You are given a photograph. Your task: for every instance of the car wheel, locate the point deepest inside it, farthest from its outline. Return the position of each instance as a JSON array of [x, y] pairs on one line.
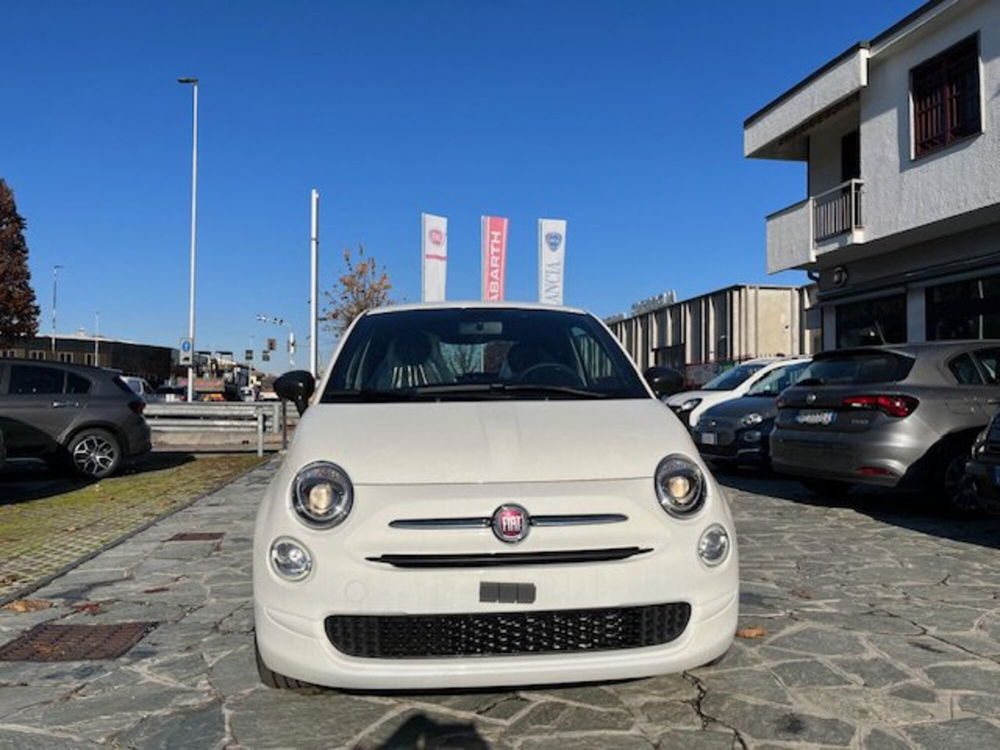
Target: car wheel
[[954, 485], [94, 453], [829, 487], [274, 680]]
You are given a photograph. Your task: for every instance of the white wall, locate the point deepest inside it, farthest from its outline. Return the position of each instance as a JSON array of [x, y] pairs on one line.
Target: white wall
[[901, 193]]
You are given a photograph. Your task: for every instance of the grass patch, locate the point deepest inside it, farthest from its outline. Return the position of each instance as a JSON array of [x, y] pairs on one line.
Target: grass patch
[[47, 522]]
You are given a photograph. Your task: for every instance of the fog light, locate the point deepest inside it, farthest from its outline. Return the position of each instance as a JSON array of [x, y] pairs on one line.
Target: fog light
[[290, 559], [751, 436], [713, 547]]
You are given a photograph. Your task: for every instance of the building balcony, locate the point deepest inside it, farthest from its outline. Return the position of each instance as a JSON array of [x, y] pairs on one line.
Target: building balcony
[[797, 235]]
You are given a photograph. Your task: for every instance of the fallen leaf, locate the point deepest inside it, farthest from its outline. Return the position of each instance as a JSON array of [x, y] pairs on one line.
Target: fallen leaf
[[91, 608], [70, 528], [27, 605], [755, 631]]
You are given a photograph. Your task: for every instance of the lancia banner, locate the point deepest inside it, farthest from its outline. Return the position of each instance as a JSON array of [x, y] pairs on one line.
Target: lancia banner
[[551, 260], [494, 239], [434, 254]]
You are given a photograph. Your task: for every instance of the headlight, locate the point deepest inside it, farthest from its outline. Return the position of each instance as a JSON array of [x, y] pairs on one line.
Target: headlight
[[680, 486], [751, 436], [322, 495], [690, 404], [290, 559], [713, 547], [748, 420]]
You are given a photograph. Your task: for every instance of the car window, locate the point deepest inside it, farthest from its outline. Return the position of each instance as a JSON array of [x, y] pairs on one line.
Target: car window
[[480, 353], [778, 379], [77, 384], [849, 368], [32, 379], [965, 371], [731, 379], [990, 361]]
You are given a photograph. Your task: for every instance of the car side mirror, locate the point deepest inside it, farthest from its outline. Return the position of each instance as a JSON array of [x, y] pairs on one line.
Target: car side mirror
[[296, 386], [664, 381]]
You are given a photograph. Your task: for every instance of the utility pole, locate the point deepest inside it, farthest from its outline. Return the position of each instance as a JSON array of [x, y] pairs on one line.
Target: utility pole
[[97, 337], [194, 223], [55, 288], [314, 286]]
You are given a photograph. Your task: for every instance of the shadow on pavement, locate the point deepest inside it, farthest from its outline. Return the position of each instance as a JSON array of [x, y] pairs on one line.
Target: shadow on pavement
[[909, 510], [422, 731], [23, 480]]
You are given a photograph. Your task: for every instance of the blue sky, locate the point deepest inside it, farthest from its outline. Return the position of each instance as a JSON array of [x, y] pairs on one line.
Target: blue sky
[[623, 117]]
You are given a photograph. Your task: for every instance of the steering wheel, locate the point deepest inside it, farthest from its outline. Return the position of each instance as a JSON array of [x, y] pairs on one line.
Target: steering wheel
[[559, 374]]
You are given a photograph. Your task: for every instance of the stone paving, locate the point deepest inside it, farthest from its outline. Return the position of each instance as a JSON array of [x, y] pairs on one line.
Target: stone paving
[[878, 627]]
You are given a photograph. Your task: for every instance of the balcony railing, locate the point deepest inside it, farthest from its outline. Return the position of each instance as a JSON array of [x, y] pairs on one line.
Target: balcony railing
[[837, 211]]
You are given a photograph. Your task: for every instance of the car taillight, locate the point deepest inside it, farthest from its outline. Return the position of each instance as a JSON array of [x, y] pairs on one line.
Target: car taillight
[[893, 406], [137, 406]]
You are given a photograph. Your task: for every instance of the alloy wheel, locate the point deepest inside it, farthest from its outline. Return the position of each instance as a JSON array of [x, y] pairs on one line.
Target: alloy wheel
[[956, 486], [95, 455]]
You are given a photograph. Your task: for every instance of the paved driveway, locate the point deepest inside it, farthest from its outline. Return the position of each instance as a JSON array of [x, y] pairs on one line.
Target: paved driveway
[[878, 627]]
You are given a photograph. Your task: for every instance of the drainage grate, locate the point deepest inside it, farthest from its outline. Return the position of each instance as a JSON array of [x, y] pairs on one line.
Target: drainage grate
[[52, 642], [196, 536]]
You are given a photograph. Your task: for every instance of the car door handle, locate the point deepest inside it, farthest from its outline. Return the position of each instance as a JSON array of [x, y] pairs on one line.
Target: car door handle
[[64, 404]]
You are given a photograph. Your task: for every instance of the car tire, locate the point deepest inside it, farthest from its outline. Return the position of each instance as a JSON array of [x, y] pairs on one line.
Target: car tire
[[94, 453], [953, 485], [826, 487], [274, 680]]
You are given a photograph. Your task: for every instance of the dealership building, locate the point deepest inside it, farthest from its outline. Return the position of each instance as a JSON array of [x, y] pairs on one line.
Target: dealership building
[[900, 136], [705, 334]]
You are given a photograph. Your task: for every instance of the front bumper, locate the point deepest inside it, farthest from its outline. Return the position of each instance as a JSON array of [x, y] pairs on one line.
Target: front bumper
[[291, 617]]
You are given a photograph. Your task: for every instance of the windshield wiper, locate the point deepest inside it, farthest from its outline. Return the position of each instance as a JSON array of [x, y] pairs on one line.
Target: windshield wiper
[[503, 388]]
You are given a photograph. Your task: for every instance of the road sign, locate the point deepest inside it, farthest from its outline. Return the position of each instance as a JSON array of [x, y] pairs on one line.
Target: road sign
[[248, 355], [272, 344], [187, 351]]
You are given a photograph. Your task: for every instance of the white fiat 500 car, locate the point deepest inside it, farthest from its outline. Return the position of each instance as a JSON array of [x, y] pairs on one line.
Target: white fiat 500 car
[[484, 495]]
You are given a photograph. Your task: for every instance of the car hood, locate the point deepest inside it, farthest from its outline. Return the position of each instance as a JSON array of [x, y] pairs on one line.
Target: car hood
[[766, 406], [495, 441]]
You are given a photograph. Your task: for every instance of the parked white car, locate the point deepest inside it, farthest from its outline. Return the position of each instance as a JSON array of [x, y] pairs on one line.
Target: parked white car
[[139, 386], [729, 384], [484, 495]]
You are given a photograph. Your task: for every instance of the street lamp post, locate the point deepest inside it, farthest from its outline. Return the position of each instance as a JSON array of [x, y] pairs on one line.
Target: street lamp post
[[194, 222], [55, 288]]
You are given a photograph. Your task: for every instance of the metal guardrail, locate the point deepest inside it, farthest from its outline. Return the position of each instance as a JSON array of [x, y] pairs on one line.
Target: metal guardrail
[[258, 416]]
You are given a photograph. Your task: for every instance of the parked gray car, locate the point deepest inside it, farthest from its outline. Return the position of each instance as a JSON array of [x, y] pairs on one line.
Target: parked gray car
[[82, 418], [896, 416]]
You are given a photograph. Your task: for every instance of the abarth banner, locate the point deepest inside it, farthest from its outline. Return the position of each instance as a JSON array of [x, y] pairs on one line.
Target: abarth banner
[[434, 254], [494, 241], [551, 260]]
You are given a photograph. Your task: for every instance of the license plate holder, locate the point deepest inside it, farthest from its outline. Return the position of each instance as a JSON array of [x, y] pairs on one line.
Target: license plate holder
[[709, 438]]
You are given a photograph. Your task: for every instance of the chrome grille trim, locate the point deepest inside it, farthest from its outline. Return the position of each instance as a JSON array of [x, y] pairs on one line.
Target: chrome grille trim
[[576, 519]]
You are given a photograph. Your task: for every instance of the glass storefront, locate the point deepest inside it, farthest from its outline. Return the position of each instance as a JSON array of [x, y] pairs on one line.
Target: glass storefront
[[964, 309], [872, 321]]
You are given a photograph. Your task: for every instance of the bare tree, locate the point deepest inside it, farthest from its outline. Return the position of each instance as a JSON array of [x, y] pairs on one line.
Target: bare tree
[[362, 286]]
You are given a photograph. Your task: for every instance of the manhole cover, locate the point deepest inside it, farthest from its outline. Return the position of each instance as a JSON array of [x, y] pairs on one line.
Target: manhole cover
[[196, 536], [52, 642]]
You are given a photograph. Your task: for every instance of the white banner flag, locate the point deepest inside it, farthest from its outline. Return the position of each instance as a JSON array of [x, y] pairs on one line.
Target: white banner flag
[[434, 252], [551, 260]]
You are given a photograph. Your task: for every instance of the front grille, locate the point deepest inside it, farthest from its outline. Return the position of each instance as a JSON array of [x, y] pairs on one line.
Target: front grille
[[506, 633], [492, 559]]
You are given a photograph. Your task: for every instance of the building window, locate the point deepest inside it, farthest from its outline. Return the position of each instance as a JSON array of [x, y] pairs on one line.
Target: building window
[[37, 354], [88, 358], [66, 357], [945, 96], [872, 322], [964, 309]]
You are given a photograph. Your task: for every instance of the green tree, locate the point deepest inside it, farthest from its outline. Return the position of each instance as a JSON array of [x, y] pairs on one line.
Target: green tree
[[362, 286], [18, 311]]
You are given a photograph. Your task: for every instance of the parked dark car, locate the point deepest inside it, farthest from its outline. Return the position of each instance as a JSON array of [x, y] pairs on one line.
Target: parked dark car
[[737, 432], [73, 416], [984, 469], [895, 416]]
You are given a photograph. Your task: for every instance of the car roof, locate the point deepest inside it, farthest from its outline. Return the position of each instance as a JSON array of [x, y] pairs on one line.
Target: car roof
[[942, 348], [472, 305], [82, 369]]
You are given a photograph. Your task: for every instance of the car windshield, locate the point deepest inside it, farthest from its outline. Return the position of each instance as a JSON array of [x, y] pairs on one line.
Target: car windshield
[[730, 379], [480, 354], [850, 368], [778, 379]]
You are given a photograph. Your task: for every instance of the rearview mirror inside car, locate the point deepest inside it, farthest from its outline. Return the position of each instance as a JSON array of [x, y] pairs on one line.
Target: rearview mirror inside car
[[664, 381], [296, 386]]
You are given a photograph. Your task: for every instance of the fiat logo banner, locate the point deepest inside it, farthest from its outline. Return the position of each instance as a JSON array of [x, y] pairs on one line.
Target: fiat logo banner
[[511, 523]]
